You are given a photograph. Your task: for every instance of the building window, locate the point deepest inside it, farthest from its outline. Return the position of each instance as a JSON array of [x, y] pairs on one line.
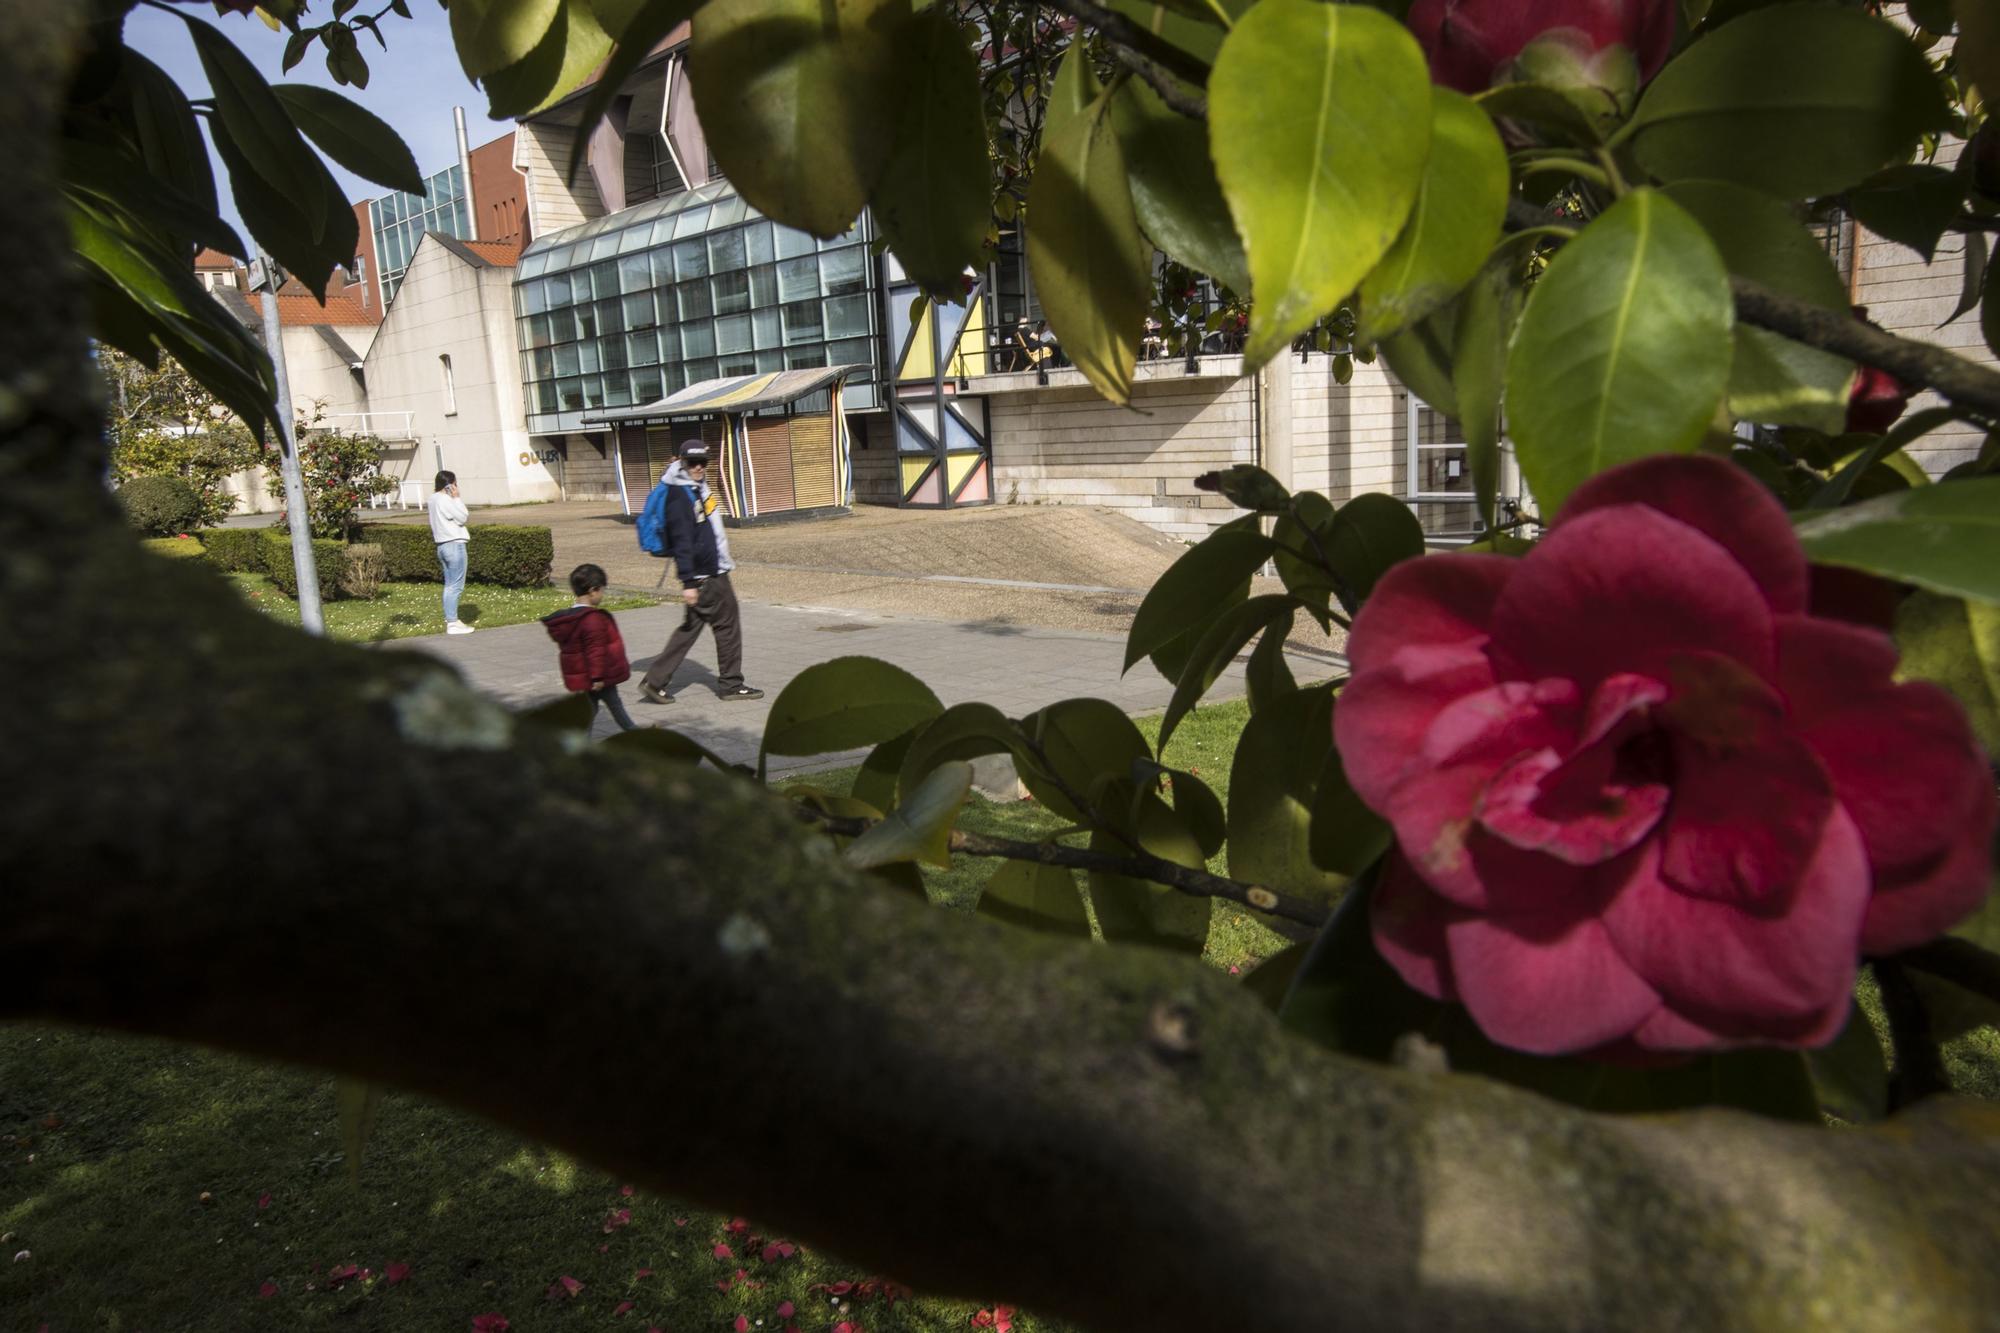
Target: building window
[[450, 389]]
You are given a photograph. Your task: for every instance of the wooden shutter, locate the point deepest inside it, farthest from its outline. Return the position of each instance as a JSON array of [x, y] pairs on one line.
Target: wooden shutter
[[771, 463], [813, 483]]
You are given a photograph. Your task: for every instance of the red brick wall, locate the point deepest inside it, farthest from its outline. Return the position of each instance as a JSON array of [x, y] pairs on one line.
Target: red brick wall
[[499, 194]]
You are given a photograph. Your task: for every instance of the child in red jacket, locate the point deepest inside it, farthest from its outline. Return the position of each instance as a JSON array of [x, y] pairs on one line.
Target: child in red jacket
[[593, 651]]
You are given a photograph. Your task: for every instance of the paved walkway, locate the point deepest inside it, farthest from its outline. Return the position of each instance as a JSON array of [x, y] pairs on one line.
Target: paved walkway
[[1017, 668]]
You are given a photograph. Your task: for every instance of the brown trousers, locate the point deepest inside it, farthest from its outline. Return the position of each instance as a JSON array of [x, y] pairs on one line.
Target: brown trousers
[[715, 606]]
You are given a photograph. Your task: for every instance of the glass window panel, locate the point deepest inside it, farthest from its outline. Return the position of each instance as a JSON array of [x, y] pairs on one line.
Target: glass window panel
[[852, 236], [690, 260], [634, 238], [732, 333], [773, 359], [697, 371], [672, 380], [604, 246], [562, 258], [646, 385], [798, 279], [741, 364], [635, 273], [566, 360], [844, 271], [799, 357], [613, 352], [663, 266], [603, 281], [545, 396], [618, 390], [726, 213], [698, 339], [802, 322], [538, 331], [586, 322], [534, 298], [732, 292], [586, 355], [763, 286], [766, 332], [570, 395], [532, 265], [545, 362], [852, 352], [691, 222], [859, 397], [558, 290], [670, 345], [695, 301], [726, 251], [593, 391], [642, 349], [639, 311], [757, 243], [846, 316], [611, 316], [792, 243]]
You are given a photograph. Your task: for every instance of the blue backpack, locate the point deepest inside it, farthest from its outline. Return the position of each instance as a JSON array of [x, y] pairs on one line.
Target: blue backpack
[[652, 525]]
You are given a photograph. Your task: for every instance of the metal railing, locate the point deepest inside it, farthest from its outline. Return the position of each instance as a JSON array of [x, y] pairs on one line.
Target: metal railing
[[382, 425]]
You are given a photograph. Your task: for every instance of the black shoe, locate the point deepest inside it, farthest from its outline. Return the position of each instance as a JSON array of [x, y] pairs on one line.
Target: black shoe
[[654, 695], [740, 692]]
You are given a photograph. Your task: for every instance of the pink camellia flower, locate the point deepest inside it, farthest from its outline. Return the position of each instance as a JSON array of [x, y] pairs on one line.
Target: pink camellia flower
[[1474, 44], [1642, 798]]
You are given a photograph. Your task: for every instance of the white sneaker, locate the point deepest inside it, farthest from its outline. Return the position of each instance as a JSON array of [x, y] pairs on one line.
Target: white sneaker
[[457, 627]]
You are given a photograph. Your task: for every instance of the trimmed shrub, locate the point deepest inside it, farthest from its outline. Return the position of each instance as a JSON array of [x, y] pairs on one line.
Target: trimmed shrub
[[235, 550], [174, 548], [361, 570], [408, 553], [513, 557], [160, 506], [328, 559]]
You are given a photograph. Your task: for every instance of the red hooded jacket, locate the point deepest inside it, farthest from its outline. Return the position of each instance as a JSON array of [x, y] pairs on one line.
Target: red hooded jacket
[[592, 648]]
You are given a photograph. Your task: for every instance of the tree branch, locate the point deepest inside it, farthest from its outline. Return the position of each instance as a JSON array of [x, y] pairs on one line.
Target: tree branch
[[1301, 916], [1164, 66]]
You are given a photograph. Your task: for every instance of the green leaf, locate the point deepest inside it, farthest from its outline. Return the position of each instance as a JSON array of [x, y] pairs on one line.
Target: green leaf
[[934, 199], [1543, 106], [1945, 538], [1839, 486], [1268, 678], [1175, 194], [919, 828], [1956, 644], [1972, 285], [668, 744], [1077, 746], [1185, 598], [1199, 811], [638, 27], [1771, 378], [1091, 267], [1319, 123], [124, 184], [1035, 897], [1623, 349], [358, 1105], [1421, 356], [846, 703], [1347, 837], [267, 144], [1192, 28], [1487, 314], [1227, 637], [1978, 47], [1989, 308], [1247, 486], [1272, 789], [1452, 226], [169, 138], [800, 100], [493, 34], [357, 139], [1271, 979], [1371, 534], [572, 49], [1914, 203], [1796, 100], [1851, 1075], [1137, 911], [1307, 529], [308, 248], [876, 783], [963, 731]]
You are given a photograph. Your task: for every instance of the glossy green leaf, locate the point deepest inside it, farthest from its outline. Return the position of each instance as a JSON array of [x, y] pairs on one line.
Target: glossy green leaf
[[1272, 788], [1945, 538], [1771, 378], [1487, 314], [1452, 226], [1072, 749], [1192, 28], [1838, 487], [1623, 349], [1851, 1075], [169, 138], [1187, 595], [800, 100], [919, 828], [356, 138], [1914, 203], [963, 731], [1972, 284], [267, 143], [493, 34], [1247, 486], [934, 199], [307, 248], [846, 703], [1955, 643], [637, 26], [358, 1105], [1978, 46], [1035, 897], [123, 184], [1796, 100], [574, 47], [1306, 530], [1219, 646], [1319, 124], [1136, 911], [1371, 534], [1550, 109], [1175, 194], [1268, 677], [877, 781], [1421, 357], [1199, 810], [1090, 265], [1347, 837], [1271, 979]]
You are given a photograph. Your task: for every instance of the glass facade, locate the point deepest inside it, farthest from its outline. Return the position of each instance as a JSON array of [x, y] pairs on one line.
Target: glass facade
[[400, 221], [628, 308]]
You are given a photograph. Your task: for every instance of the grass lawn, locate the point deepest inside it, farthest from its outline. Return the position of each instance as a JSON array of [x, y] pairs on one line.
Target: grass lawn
[[402, 610]]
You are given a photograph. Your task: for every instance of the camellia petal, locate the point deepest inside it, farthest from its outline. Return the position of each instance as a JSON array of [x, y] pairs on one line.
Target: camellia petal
[[1438, 601], [1745, 824], [1408, 922], [1548, 985]]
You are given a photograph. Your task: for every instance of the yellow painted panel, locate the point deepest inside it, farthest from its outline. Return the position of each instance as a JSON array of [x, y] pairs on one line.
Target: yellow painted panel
[[958, 467], [972, 343], [913, 467], [917, 365]]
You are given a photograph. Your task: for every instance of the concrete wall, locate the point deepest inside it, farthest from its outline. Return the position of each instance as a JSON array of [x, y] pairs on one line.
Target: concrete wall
[[541, 154], [874, 453], [1347, 439], [587, 466], [447, 307]]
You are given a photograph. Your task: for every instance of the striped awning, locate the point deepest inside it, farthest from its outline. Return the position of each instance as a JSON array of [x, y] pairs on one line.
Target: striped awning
[[732, 393]]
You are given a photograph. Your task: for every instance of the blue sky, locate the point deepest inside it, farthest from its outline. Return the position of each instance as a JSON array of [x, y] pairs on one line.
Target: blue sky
[[413, 85]]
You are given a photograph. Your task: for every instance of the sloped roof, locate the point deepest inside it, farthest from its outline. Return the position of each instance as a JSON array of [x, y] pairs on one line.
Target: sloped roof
[[214, 259], [734, 393], [342, 307], [480, 254]]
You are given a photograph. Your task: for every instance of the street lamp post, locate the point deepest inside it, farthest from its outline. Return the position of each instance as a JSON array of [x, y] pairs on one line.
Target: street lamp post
[[303, 565]]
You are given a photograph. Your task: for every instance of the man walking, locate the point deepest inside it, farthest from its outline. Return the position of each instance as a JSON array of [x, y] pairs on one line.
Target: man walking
[[701, 554]]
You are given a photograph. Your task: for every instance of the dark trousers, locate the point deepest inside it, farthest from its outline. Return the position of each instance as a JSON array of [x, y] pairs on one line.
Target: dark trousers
[[715, 607], [608, 697]]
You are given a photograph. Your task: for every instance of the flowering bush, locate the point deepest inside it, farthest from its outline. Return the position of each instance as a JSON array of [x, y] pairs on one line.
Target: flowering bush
[[338, 471], [1639, 794]]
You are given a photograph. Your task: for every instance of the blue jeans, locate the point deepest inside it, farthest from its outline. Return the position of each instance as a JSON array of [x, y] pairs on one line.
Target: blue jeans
[[451, 557]]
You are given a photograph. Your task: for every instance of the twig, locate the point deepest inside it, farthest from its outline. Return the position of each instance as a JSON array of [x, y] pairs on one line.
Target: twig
[[1920, 1069], [1161, 64], [1294, 911]]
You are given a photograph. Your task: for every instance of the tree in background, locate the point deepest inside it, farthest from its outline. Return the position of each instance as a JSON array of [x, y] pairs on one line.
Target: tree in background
[[339, 472], [162, 421]]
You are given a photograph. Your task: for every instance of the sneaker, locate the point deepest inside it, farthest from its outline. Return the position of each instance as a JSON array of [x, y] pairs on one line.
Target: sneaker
[[653, 695], [457, 627], [740, 692]]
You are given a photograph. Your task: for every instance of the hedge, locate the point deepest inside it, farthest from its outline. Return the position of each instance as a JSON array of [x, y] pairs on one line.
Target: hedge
[[174, 548], [511, 555], [328, 559], [235, 550], [160, 506]]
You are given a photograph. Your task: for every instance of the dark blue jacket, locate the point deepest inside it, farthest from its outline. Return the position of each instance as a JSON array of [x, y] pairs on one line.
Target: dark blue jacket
[[690, 536]]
